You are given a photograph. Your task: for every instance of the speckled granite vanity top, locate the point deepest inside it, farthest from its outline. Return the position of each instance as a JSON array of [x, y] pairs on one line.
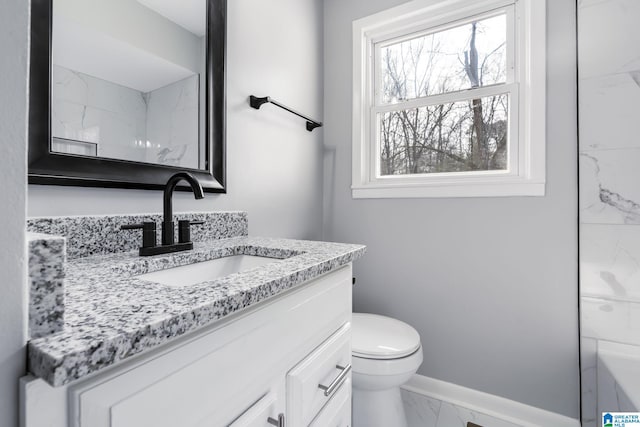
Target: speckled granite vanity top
[[111, 315]]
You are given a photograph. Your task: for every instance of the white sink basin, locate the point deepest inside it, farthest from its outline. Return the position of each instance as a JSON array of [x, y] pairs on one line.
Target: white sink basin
[[206, 270]]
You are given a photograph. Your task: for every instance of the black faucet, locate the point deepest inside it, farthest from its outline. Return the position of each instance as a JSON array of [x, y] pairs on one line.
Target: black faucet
[[149, 238], [167, 206]]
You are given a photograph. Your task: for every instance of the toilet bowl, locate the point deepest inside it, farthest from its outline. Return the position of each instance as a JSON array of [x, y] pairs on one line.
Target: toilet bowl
[[385, 354]]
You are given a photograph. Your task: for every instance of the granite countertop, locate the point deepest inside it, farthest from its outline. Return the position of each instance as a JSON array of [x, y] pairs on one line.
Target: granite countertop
[[110, 315]]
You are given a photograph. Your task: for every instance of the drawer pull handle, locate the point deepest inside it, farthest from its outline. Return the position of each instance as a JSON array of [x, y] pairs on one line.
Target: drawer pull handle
[[328, 390], [278, 423]]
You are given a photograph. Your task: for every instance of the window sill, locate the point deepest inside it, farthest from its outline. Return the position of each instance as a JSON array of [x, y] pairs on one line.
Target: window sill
[[441, 190]]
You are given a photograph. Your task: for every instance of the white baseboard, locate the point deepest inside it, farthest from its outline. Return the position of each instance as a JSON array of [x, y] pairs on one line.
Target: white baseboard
[[488, 404]]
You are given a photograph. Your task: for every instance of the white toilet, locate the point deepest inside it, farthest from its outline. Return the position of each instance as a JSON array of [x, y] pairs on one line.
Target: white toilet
[[386, 353]]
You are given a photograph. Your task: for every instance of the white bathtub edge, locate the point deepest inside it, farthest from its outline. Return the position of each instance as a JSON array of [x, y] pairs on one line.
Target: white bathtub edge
[[618, 372]]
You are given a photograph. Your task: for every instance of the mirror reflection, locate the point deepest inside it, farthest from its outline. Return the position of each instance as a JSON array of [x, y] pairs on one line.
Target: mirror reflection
[[128, 80]]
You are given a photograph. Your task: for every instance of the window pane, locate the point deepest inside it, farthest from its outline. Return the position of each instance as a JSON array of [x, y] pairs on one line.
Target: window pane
[[456, 137], [468, 56]]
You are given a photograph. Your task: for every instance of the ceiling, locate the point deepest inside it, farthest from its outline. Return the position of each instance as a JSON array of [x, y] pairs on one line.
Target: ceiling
[[189, 14]]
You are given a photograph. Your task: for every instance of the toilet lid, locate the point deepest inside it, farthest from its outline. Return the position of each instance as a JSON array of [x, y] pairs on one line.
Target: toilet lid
[[380, 337]]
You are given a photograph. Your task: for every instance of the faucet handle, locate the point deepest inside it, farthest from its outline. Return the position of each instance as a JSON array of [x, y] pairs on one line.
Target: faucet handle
[[148, 232], [184, 230]]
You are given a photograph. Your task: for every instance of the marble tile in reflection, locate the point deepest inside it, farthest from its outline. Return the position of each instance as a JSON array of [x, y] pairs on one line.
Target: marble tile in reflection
[[161, 126], [70, 86], [85, 108], [172, 123]]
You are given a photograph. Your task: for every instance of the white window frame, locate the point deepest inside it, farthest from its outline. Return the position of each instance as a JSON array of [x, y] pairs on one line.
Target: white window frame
[[525, 85]]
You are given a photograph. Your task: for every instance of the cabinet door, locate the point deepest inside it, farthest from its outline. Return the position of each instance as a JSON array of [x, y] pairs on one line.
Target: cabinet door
[[269, 407], [337, 413], [257, 414], [315, 380]]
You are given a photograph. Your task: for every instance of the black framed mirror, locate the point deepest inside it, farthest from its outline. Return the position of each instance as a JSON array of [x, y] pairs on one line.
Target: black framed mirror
[[131, 120]]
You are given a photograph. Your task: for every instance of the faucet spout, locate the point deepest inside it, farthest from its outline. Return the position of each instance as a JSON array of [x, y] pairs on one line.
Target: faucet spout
[[167, 223]]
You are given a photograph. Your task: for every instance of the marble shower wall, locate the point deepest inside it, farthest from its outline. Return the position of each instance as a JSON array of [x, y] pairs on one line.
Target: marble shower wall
[[160, 126], [609, 102]]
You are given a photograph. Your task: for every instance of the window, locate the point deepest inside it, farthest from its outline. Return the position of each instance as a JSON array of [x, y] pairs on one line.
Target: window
[[449, 100]]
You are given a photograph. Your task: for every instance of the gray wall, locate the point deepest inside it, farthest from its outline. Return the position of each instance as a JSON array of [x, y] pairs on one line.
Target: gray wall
[[13, 69], [274, 166], [489, 283]]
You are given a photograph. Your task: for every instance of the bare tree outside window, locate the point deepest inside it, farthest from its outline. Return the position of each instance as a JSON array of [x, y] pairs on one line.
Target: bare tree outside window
[[461, 136]]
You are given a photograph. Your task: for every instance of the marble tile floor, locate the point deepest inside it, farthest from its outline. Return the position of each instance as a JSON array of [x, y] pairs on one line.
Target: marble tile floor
[[424, 411]]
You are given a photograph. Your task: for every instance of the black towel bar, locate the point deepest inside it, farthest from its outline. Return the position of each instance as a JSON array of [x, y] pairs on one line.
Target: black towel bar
[[256, 103]]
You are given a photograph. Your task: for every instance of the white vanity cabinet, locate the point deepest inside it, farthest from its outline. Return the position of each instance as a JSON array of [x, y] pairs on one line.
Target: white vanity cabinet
[[284, 362]]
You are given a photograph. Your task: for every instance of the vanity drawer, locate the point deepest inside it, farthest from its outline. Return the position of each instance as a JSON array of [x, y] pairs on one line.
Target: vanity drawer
[[258, 415], [337, 413], [319, 377]]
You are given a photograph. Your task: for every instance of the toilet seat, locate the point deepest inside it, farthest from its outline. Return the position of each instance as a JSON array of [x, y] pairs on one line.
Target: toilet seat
[[387, 367], [382, 338]]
